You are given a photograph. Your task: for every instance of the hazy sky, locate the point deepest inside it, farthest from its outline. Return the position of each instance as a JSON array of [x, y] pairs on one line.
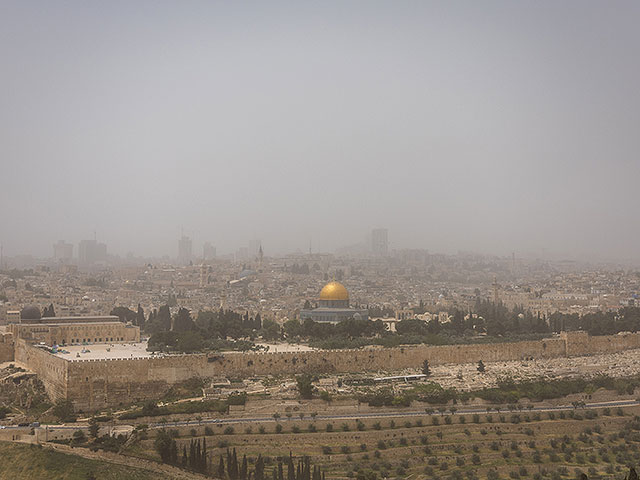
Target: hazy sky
[[485, 126]]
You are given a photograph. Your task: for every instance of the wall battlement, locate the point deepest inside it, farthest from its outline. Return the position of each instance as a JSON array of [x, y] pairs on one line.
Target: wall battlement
[[97, 383]]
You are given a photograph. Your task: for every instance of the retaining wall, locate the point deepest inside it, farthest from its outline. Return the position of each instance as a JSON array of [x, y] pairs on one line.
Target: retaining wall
[[93, 384]]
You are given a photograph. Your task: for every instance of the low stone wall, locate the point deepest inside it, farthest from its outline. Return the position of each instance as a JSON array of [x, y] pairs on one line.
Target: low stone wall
[[94, 384]]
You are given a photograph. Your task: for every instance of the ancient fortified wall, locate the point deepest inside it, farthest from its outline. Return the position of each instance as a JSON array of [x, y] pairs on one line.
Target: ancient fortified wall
[[93, 384]]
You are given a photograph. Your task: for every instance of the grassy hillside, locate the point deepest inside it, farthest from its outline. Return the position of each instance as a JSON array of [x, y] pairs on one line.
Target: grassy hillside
[[20, 461]]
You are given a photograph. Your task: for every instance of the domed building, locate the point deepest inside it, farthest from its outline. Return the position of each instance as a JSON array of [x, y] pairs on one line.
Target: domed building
[[333, 306], [30, 314]]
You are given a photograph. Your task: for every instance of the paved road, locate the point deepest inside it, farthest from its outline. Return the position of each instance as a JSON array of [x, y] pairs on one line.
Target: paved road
[[400, 414]]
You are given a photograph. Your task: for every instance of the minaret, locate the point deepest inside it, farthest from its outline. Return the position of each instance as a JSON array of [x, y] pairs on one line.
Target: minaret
[[260, 257], [496, 298], [223, 299]]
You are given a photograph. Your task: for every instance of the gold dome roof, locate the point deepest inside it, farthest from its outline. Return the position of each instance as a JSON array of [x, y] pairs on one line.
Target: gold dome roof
[[334, 291]]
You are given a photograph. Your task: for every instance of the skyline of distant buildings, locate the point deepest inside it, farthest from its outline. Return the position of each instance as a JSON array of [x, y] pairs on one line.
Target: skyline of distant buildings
[[91, 252], [379, 241]]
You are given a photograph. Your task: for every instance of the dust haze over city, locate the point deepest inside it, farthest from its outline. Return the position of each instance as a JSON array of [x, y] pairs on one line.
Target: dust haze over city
[[319, 240], [487, 127]]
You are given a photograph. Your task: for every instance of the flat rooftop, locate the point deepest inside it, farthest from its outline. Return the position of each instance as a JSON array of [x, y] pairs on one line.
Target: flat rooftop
[[85, 319], [101, 351]]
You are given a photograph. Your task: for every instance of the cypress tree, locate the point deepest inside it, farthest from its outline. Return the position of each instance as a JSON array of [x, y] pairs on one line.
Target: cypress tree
[[203, 457], [221, 467], [192, 454], [291, 473], [244, 468], [229, 464], [174, 452], [235, 465], [259, 468]]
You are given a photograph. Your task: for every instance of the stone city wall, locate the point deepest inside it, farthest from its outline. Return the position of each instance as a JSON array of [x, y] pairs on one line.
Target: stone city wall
[[51, 370], [94, 384], [7, 348]]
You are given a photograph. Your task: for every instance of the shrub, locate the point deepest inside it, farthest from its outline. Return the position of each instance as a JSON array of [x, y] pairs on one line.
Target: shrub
[[377, 426], [492, 475], [208, 431], [261, 429], [475, 459], [382, 445], [78, 437], [228, 430], [329, 427], [295, 429], [278, 428], [345, 449], [326, 450], [64, 411]]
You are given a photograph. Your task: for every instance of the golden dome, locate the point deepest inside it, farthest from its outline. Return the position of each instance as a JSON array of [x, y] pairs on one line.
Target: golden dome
[[334, 291]]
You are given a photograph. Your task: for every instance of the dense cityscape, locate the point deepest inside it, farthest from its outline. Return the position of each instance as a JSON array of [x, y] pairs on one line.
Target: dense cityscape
[[361, 240]]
